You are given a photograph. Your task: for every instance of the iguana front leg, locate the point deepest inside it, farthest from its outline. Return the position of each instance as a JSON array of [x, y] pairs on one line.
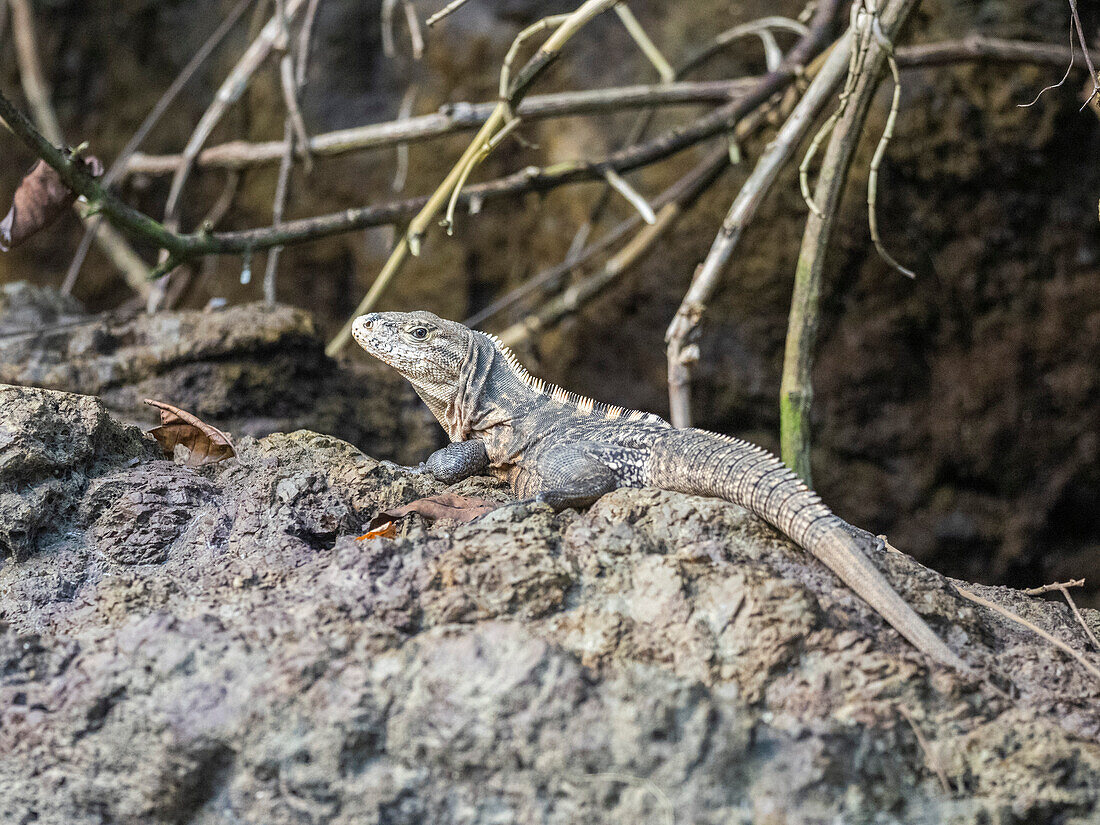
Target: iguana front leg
[[452, 463], [457, 461]]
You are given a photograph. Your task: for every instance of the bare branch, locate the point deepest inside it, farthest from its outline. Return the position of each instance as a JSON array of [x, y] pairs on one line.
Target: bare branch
[[410, 241], [305, 41], [228, 93], [741, 211], [118, 167], [645, 43], [453, 118], [1034, 628], [675, 201], [796, 388], [35, 87]]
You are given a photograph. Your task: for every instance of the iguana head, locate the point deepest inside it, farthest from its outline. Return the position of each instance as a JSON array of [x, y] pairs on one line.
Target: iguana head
[[429, 351]]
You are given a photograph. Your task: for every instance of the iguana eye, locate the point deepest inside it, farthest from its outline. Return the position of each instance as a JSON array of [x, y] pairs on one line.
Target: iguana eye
[[419, 333]]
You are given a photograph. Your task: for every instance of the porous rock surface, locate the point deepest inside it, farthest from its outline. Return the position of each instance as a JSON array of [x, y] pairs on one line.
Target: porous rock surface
[[214, 645]]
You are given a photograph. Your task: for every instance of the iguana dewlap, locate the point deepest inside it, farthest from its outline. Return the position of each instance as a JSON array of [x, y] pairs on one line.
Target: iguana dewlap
[[567, 450]]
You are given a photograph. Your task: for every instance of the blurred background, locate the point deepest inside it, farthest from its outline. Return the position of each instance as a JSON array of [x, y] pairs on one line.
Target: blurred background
[[958, 412]]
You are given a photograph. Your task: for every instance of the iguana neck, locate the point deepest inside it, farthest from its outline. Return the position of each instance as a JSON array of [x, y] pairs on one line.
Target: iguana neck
[[494, 388]]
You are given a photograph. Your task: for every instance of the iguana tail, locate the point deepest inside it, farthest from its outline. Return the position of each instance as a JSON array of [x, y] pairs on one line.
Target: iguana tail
[[703, 463]]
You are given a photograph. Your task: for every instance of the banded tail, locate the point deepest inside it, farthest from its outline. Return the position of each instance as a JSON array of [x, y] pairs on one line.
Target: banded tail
[[698, 462]]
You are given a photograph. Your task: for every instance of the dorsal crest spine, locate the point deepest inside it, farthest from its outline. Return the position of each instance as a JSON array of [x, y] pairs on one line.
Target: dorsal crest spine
[[583, 404]]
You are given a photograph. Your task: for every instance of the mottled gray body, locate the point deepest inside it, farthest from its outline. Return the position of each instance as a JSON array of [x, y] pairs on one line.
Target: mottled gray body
[[567, 450]]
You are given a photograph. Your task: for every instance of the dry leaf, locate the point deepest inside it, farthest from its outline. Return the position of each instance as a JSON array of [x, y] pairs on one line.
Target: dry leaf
[[445, 505], [207, 445], [388, 530], [38, 202]]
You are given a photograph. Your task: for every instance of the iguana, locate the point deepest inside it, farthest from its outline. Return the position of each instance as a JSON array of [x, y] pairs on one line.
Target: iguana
[[566, 450]]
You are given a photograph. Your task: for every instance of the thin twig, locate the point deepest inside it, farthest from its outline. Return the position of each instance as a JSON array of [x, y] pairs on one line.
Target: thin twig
[[502, 114], [876, 161], [1080, 618], [456, 117], [1085, 48], [721, 120], [929, 757], [214, 216], [632, 195], [449, 9], [118, 166], [645, 43], [555, 273], [305, 41], [740, 213], [1034, 628], [752, 28], [1047, 588], [294, 113], [415, 35], [228, 93], [676, 200], [401, 173], [453, 118], [281, 188], [36, 89], [389, 46]]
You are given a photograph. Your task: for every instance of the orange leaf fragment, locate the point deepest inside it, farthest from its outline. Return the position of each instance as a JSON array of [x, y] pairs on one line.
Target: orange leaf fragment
[[387, 531], [206, 444]]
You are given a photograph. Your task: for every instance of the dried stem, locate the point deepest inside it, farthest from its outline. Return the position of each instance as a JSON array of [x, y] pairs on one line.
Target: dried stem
[[681, 348], [410, 241], [1081, 619], [305, 42], [299, 136], [401, 173], [457, 117], [451, 119], [796, 388], [449, 9], [118, 166], [37, 91], [228, 93], [1085, 48], [676, 200], [415, 35], [1034, 628], [1047, 588], [282, 186], [737, 98], [645, 43]]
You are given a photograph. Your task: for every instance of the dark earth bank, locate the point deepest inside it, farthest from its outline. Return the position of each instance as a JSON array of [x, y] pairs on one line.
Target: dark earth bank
[[214, 645]]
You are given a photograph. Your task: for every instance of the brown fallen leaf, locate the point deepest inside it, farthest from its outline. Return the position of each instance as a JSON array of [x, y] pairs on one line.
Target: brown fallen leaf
[[445, 505], [38, 201], [207, 445]]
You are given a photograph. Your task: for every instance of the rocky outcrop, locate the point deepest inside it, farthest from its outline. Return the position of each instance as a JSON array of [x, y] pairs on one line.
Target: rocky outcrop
[[214, 645], [248, 369]]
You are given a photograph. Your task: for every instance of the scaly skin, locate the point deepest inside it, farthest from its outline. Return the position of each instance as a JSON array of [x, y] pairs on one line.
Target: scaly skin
[[567, 451]]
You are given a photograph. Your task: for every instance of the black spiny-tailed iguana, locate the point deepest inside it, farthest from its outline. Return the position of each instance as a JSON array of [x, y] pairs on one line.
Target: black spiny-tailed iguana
[[567, 450]]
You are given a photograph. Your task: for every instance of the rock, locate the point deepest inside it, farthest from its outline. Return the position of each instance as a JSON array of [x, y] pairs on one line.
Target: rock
[[247, 369], [51, 444], [214, 645]]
